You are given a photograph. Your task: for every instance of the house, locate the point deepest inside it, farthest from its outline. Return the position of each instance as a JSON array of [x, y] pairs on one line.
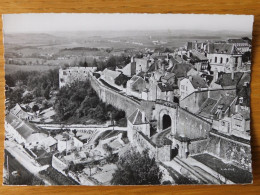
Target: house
[[142, 64], [224, 57], [137, 121], [195, 45], [130, 69], [72, 74], [191, 84], [110, 75], [180, 70], [199, 60], [242, 45], [227, 80], [64, 143], [21, 113], [135, 86], [35, 140], [19, 130], [169, 78], [50, 144]]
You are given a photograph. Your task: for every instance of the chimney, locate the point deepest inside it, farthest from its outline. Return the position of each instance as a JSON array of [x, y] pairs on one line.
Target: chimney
[[232, 74], [188, 54], [196, 45], [143, 116], [215, 75]]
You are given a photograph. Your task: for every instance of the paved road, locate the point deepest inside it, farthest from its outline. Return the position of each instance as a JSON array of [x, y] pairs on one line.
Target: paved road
[[159, 138], [80, 127], [25, 159]]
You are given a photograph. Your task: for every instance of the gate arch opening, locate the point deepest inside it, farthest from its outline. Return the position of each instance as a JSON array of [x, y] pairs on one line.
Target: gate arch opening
[[167, 121]]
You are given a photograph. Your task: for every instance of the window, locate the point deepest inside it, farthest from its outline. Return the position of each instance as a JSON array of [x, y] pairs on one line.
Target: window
[[221, 60], [227, 60], [241, 100], [216, 59], [222, 123]]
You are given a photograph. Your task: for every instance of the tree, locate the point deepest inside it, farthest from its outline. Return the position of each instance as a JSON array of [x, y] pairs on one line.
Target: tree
[[35, 108], [137, 169]]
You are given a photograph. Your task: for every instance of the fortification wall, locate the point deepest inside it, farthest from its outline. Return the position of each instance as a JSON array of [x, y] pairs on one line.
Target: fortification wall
[[191, 126], [118, 100], [235, 152]]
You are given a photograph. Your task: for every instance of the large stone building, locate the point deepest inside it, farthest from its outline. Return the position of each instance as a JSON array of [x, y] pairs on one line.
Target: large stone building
[[223, 56], [72, 74]]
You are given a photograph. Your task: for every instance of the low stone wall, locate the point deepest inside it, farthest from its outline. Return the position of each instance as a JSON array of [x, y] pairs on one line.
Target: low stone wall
[[59, 165]]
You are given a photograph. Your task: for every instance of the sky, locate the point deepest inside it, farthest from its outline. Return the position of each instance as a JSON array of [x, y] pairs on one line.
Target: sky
[[40, 23]]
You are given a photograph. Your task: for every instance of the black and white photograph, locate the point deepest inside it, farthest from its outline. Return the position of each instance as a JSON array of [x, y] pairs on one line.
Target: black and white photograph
[[127, 99]]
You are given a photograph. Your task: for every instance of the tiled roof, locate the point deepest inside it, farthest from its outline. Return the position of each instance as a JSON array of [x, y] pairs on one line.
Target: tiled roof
[[136, 118], [50, 141], [210, 106], [225, 79], [207, 107], [36, 137], [167, 87], [198, 82], [24, 130], [245, 94], [111, 73], [197, 56], [121, 79], [225, 101], [224, 48], [168, 75], [236, 41], [15, 110], [181, 69]]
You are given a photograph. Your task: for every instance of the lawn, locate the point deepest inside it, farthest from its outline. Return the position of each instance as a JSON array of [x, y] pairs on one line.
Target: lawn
[[229, 171]]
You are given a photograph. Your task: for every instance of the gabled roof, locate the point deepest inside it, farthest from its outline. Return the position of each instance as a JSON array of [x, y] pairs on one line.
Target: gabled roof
[[222, 48], [36, 137], [24, 130], [49, 141], [168, 75], [121, 79], [198, 82], [136, 118], [225, 101], [236, 41], [197, 56], [167, 87], [245, 94], [210, 106], [225, 79], [111, 73], [180, 69], [15, 110], [207, 107]]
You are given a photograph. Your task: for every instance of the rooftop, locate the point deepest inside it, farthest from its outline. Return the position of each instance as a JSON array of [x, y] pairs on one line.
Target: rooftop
[[136, 118], [222, 48], [24, 130]]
